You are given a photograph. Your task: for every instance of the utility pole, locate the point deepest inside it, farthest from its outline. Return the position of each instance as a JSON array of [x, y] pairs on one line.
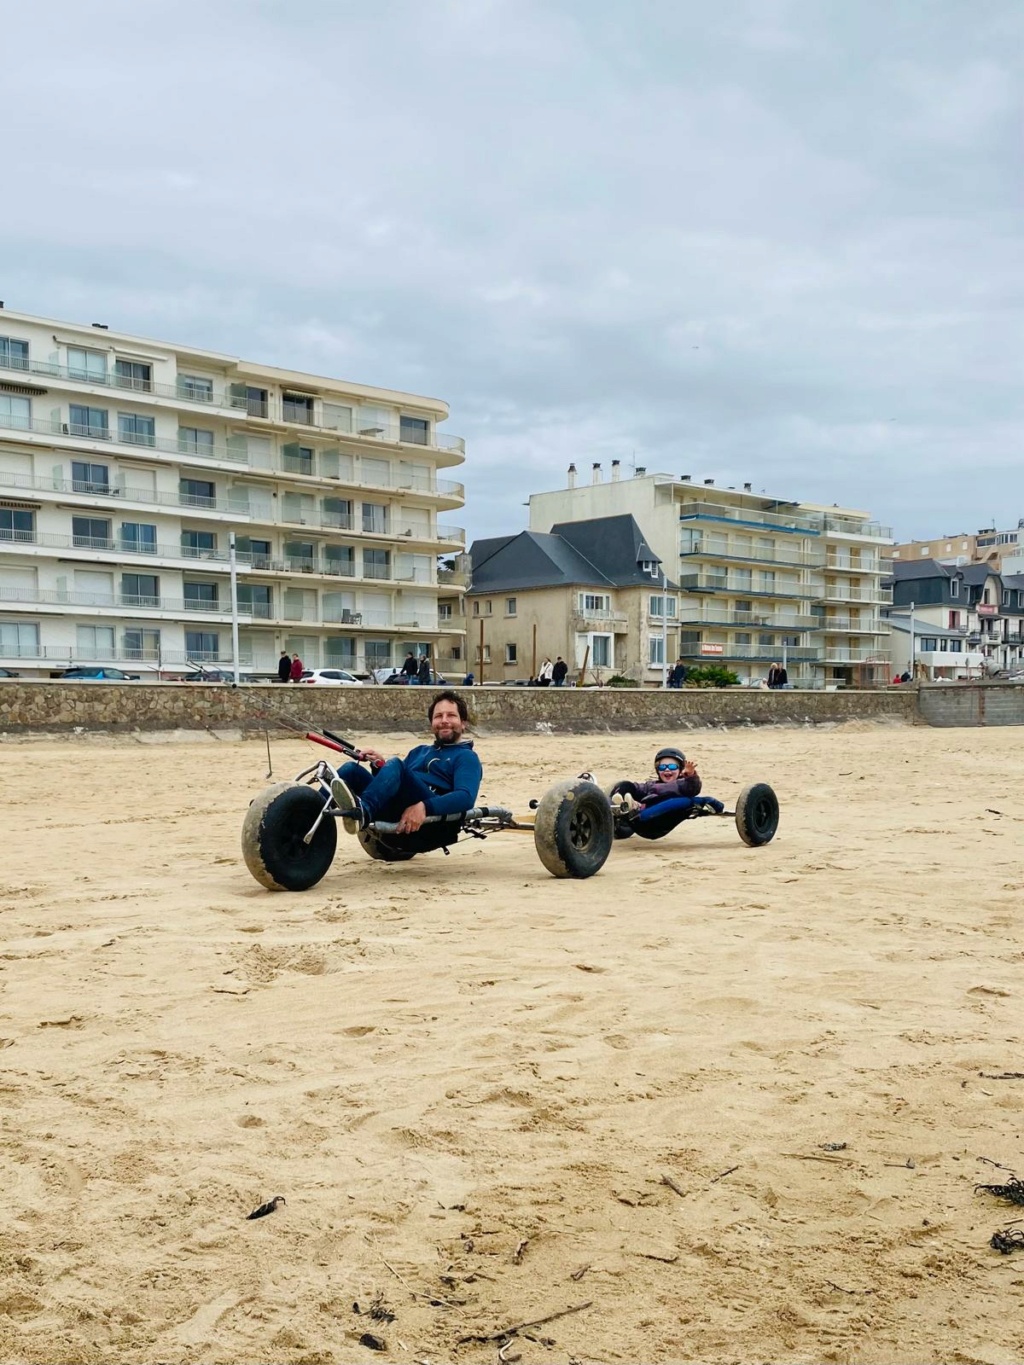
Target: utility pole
[[664, 629], [234, 604]]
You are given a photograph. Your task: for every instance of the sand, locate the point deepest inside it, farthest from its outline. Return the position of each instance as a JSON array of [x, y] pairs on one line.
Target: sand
[[472, 1082]]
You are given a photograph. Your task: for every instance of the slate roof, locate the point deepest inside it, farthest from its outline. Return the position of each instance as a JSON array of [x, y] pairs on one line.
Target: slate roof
[[903, 569], [605, 552]]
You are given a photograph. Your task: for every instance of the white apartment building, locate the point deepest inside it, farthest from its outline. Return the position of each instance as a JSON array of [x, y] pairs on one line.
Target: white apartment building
[[762, 579], [125, 464]]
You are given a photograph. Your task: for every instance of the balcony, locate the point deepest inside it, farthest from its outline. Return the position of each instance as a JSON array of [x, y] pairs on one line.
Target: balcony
[[856, 564], [853, 625], [794, 524], [601, 620], [703, 581], [874, 595], [714, 548], [708, 653], [710, 613], [845, 654], [235, 400]]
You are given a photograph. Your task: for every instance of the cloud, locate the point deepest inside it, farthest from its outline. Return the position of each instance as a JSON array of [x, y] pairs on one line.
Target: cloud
[[778, 243]]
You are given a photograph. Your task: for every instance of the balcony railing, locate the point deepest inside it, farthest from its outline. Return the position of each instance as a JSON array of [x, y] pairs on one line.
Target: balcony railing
[[709, 613], [855, 564], [853, 625], [711, 547], [844, 654], [874, 595], [772, 653], [750, 516], [754, 587]]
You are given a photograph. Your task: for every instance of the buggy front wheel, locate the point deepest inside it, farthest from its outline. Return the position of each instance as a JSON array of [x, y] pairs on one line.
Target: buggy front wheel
[[574, 829], [757, 814], [273, 838]]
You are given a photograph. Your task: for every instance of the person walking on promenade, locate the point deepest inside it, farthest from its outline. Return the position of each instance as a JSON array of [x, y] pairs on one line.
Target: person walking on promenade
[[295, 672], [284, 667], [558, 671]]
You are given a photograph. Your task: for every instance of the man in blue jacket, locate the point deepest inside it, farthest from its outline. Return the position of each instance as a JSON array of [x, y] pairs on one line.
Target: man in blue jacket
[[442, 778]]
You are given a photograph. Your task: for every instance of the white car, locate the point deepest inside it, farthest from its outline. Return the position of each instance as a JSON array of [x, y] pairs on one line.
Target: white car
[[331, 677]]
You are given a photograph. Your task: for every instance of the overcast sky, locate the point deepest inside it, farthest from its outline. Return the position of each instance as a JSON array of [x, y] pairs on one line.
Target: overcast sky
[[765, 240]]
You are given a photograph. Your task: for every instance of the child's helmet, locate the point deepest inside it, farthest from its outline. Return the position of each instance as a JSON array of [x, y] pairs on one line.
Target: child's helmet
[[677, 754]]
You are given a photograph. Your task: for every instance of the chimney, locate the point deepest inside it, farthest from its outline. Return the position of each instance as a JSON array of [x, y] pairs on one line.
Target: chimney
[[615, 471], [748, 488], [641, 470], [708, 483], [595, 473], [572, 476], [685, 478]]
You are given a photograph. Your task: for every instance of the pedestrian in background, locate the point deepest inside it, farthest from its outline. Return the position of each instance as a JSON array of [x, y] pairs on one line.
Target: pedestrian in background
[[295, 672], [284, 667]]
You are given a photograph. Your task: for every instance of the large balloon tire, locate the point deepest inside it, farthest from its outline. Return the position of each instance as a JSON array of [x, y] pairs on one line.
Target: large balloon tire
[[273, 835], [574, 829], [757, 814], [376, 847]]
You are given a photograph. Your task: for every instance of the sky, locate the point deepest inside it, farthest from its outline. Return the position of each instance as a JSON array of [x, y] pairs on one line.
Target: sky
[[775, 241]]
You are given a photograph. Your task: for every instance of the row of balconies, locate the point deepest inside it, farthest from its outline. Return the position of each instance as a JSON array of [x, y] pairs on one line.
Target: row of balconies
[[713, 548], [321, 466], [100, 604], [98, 548], [708, 581], [234, 507], [711, 613], [332, 416]]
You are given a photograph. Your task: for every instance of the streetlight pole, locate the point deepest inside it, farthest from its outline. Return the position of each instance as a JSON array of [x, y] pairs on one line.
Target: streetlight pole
[[234, 604], [913, 642], [664, 628]]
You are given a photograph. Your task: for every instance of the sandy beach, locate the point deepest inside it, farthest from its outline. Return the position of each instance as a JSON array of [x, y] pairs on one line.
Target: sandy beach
[[489, 1096]]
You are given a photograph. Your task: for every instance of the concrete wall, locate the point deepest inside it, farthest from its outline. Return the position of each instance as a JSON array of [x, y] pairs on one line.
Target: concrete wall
[[970, 704], [57, 707]]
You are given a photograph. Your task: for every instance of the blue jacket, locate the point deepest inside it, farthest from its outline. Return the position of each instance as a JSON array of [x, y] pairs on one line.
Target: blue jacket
[[452, 771]]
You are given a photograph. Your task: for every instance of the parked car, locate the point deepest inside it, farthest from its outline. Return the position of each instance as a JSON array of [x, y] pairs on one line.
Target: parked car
[[98, 675], [9, 673], [333, 677], [394, 677]]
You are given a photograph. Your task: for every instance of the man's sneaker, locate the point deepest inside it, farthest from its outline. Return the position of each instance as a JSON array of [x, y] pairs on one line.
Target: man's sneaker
[[352, 811]]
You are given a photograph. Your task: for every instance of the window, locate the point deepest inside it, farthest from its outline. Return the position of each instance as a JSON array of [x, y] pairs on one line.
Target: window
[[928, 643], [766, 580], [94, 642], [376, 563], [601, 652], [767, 641], [791, 641], [140, 590], [202, 644], [89, 478], [15, 412], [956, 646], [510, 653], [487, 654], [254, 598], [594, 602], [19, 641], [690, 542], [195, 441], [444, 611], [378, 653], [91, 422], [88, 365], [656, 650], [199, 544], [257, 551], [476, 608], [133, 374], [17, 525], [194, 389], [954, 587], [340, 560], [297, 459], [414, 430], [338, 512], [298, 407], [200, 596], [954, 620], [1006, 597], [13, 354], [141, 644], [135, 430], [744, 607], [744, 579], [659, 606], [742, 637], [510, 606], [197, 492], [138, 537], [375, 517], [943, 645], [91, 533], [252, 400]]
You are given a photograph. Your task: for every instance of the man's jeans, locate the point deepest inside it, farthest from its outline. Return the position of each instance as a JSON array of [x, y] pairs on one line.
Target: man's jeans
[[385, 794]]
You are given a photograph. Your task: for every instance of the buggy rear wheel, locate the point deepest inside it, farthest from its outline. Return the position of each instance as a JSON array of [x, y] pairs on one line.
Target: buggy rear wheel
[[273, 838], [757, 814], [574, 829], [621, 827]]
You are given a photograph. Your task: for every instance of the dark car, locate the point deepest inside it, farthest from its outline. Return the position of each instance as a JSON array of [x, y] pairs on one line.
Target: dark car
[[98, 675], [9, 673], [399, 679]]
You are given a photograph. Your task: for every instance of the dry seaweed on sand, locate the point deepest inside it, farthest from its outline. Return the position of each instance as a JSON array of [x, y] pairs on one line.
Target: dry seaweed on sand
[[1012, 1191]]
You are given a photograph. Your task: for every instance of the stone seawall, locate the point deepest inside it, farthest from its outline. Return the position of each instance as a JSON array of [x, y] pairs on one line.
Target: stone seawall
[[983, 703], [27, 707]]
